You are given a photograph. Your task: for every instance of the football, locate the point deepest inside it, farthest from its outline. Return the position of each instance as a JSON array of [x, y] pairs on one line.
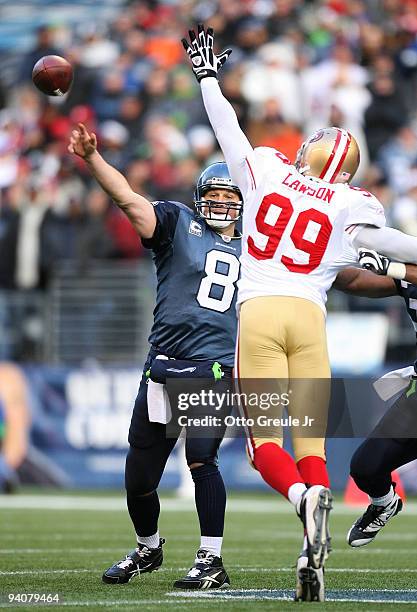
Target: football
[[52, 75]]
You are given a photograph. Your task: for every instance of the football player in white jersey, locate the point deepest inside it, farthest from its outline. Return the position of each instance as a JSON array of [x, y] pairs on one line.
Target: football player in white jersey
[[297, 220]]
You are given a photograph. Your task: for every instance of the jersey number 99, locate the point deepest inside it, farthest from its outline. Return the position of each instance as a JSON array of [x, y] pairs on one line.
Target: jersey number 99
[[274, 231]]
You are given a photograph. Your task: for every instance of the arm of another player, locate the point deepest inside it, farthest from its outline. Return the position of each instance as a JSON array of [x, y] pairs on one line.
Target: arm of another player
[[364, 284], [377, 279], [138, 209], [233, 142]]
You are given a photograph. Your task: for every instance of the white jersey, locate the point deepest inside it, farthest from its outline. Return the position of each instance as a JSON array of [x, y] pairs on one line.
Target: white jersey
[[295, 229]]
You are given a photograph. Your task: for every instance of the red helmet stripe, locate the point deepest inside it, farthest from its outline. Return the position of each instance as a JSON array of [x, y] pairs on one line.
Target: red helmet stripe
[[342, 159], [332, 154]]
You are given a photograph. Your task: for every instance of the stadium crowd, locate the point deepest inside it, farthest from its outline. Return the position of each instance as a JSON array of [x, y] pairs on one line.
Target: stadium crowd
[[296, 65]]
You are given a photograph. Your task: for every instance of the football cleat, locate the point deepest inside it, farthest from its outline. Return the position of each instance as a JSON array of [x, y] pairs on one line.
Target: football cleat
[[139, 561], [207, 573], [310, 581], [372, 521], [314, 509]]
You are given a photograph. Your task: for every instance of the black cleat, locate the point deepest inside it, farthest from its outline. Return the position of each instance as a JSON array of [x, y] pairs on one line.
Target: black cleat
[[372, 521], [139, 561], [313, 510], [310, 581], [207, 573]]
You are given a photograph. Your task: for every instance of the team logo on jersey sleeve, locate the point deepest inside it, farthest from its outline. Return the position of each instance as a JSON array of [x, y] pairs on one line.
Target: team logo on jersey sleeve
[[195, 228]]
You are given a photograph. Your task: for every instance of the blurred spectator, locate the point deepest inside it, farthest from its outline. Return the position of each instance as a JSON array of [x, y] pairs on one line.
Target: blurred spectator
[[109, 94], [114, 137], [20, 461], [269, 129], [187, 108], [202, 143], [14, 425], [9, 223], [338, 79], [44, 46], [3, 95], [131, 111], [187, 171], [386, 113], [10, 146], [285, 15], [272, 75], [405, 210], [231, 86], [398, 159], [251, 33], [33, 203], [96, 49], [94, 241]]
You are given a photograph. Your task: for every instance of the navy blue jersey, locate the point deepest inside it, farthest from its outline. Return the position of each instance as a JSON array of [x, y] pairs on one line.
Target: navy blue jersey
[[408, 291], [197, 270]]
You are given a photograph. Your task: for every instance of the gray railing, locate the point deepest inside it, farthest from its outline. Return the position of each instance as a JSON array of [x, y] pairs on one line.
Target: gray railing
[[102, 314]]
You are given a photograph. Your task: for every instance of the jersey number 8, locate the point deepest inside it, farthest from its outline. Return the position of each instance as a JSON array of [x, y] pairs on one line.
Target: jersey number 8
[[226, 282]]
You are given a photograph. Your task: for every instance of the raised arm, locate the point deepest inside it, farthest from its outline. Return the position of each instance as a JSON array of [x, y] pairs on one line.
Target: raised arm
[[138, 209], [236, 148]]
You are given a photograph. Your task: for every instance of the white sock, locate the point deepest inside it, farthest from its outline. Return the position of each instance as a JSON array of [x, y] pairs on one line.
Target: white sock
[[149, 541], [385, 499], [214, 545], [295, 492]]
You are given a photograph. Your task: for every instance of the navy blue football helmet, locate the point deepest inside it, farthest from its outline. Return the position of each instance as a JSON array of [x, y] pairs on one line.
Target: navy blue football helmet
[[216, 176]]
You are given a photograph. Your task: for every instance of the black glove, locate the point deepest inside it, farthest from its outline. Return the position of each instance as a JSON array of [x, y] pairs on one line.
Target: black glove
[[200, 49], [373, 261]]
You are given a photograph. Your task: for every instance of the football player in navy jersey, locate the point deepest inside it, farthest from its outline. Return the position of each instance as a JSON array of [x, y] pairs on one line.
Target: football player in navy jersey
[[196, 255], [393, 442]]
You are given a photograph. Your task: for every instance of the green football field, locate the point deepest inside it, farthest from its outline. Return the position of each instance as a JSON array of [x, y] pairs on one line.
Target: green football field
[[60, 544]]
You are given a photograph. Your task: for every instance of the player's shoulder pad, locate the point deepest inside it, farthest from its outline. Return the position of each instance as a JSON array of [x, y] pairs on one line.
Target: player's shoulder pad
[[268, 157], [361, 197], [365, 207], [173, 203], [271, 153], [174, 206]]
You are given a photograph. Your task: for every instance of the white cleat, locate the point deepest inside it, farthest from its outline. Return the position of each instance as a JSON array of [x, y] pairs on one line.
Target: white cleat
[[310, 581], [314, 509], [367, 527]]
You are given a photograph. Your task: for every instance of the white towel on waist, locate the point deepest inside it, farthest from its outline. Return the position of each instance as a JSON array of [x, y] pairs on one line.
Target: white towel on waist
[[393, 382], [159, 408]]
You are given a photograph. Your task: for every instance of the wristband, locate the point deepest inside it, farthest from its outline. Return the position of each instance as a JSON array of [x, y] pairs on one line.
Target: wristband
[[396, 270]]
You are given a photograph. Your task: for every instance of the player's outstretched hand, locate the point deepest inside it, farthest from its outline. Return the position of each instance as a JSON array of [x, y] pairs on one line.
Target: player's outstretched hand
[[200, 50], [82, 143], [373, 261]]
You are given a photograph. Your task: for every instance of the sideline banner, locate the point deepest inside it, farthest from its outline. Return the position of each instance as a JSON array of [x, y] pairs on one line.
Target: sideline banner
[[80, 420]]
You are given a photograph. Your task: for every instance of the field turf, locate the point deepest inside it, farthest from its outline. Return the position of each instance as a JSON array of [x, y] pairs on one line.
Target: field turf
[[61, 544]]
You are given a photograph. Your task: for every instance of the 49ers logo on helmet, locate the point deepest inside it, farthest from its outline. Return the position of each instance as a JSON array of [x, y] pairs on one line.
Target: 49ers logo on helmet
[[317, 136]]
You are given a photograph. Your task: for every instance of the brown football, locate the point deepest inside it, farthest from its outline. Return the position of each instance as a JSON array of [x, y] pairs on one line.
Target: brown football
[[53, 75]]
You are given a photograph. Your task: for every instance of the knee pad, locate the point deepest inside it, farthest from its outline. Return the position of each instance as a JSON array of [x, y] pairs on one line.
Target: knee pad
[[140, 476], [204, 471]]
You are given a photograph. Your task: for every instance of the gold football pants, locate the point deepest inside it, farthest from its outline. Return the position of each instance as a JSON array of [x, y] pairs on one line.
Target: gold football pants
[[282, 340]]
